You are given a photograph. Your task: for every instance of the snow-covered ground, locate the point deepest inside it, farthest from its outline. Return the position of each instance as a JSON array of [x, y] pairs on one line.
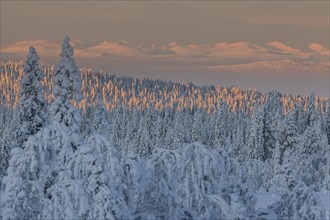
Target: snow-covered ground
[[325, 201], [266, 199]]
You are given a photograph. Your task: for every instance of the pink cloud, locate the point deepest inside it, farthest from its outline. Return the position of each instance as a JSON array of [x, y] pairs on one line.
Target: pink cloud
[[108, 48], [319, 49], [242, 50], [271, 55], [44, 48], [282, 48]]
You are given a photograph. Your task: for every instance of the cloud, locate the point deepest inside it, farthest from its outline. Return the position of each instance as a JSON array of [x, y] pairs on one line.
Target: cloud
[[240, 56], [319, 48], [111, 49], [281, 48], [154, 50], [44, 47], [77, 42]]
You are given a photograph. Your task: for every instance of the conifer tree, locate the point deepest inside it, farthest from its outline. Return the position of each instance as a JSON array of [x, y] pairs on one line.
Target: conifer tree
[[99, 116], [67, 86], [255, 142], [286, 147], [32, 101], [22, 196], [221, 125]]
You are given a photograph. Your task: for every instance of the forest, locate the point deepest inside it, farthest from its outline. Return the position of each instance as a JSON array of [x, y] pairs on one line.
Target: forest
[[86, 144]]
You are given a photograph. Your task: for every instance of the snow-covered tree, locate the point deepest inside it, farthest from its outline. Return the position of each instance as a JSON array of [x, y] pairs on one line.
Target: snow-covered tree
[[285, 155], [65, 187], [255, 142], [128, 156], [67, 85], [105, 181], [179, 129], [99, 124], [32, 102], [159, 193], [272, 121], [134, 183], [301, 203], [116, 127], [143, 148], [5, 142], [49, 174], [221, 125], [22, 198], [312, 155]]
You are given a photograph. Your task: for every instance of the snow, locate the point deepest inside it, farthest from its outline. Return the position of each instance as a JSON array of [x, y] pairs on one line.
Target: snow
[[256, 157], [325, 201], [265, 199]]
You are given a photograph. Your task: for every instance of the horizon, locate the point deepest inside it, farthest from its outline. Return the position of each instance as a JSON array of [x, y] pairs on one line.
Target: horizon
[[183, 82], [268, 46]]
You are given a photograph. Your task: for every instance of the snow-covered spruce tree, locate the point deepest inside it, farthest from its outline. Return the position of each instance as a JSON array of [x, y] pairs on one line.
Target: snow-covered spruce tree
[[160, 130], [328, 122], [158, 194], [5, 140], [197, 127], [238, 137], [131, 131], [220, 133], [67, 86], [21, 199], [272, 120], [10, 139], [99, 122], [286, 146], [312, 155], [310, 110], [179, 129], [116, 127], [301, 203], [206, 189], [32, 101], [105, 183], [150, 124], [56, 174], [74, 165], [255, 142], [4, 152], [87, 121], [143, 148], [134, 183]]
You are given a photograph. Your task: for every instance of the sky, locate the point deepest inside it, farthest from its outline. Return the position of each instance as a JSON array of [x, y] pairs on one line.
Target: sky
[[267, 45]]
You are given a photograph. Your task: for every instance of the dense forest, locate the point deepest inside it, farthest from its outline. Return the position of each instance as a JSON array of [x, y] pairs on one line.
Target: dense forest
[[84, 144]]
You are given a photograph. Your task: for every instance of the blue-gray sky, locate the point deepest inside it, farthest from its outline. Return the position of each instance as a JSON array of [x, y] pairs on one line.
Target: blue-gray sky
[[280, 45]]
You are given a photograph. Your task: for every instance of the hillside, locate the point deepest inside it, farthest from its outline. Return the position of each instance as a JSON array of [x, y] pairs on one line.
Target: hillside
[[83, 144]]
